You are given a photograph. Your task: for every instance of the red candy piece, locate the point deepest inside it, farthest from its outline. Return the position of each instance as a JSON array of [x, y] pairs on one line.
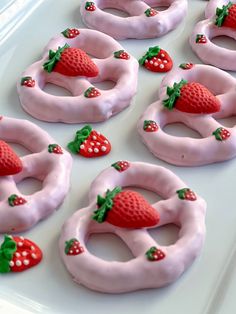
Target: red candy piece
[[129, 210], [73, 247]]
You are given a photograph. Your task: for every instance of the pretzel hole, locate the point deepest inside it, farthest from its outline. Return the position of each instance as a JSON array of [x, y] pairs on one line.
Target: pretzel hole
[[160, 8], [229, 122], [116, 12], [165, 235], [29, 186], [56, 90], [180, 130], [225, 42], [19, 149], [105, 85], [109, 247]]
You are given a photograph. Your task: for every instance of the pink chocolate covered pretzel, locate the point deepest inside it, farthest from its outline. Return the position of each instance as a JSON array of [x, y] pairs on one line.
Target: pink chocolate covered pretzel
[[197, 107], [48, 162], [143, 20], [126, 214], [76, 72], [220, 21]]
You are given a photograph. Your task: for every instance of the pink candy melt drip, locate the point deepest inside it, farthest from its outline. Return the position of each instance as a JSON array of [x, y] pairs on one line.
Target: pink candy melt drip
[[153, 265]]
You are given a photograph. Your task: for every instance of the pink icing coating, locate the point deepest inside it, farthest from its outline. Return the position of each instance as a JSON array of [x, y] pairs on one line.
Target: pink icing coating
[[209, 52], [50, 168], [189, 151], [138, 273], [77, 108], [137, 25]]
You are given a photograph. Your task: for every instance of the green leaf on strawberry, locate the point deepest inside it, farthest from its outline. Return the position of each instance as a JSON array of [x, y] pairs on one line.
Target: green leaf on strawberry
[[222, 13], [155, 254], [173, 93], [221, 134], [186, 194]]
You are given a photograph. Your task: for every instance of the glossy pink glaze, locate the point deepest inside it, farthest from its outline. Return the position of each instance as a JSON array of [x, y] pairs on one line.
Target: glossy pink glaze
[[209, 52], [77, 108], [53, 170], [185, 151], [138, 273], [137, 25]]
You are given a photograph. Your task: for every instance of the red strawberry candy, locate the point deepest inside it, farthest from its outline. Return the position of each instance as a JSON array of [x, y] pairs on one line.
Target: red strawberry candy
[[150, 126], [90, 6], [156, 60], [92, 92], [89, 143], [55, 148], [18, 254], [221, 134], [121, 54], [191, 98], [10, 163], [201, 39], [150, 12], [186, 66], [186, 194], [70, 61], [121, 165], [27, 81], [15, 200], [73, 247], [125, 209], [226, 16], [71, 32], [154, 254]]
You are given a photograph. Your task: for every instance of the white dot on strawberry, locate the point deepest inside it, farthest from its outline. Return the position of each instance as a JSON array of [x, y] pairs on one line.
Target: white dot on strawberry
[[165, 61], [92, 144], [162, 55], [98, 144], [32, 248], [151, 62], [11, 263], [90, 150], [146, 61], [17, 254], [94, 137], [20, 243], [33, 255], [22, 238], [18, 263], [71, 252], [26, 262], [24, 253], [96, 150], [81, 147], [105, 142], [161, 66], [155, 64], [77, 251], [103, 148]]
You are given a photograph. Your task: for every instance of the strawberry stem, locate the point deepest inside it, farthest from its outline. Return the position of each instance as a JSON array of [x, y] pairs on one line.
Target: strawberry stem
[[80, 137], [150, 252], [222, 13], [11, 199], [181, 193], [173, 93], [152, 52], [105, 204], [54, 57], [7, 249]]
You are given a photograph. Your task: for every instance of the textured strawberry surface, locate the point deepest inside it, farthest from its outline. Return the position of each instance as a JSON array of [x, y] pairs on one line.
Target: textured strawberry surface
[[131, 210], [74, 62], [230, 19], [196, 98], [10, 163]]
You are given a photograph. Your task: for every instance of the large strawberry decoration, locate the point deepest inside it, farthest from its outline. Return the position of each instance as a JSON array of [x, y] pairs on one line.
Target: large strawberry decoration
[[73, 247], [191, 98], [70, 61], [186, 194], [18, 254], [70, 32], [89, 143], [10, 163], [221, 134], [121, 165], [226, 16], [125, 209], [154, 254], [156, 60]]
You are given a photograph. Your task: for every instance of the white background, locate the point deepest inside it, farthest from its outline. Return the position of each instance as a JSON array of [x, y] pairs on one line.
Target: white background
[[209, 285]]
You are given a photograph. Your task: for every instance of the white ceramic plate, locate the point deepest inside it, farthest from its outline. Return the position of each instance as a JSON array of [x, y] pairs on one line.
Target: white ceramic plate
[[209, 285]]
